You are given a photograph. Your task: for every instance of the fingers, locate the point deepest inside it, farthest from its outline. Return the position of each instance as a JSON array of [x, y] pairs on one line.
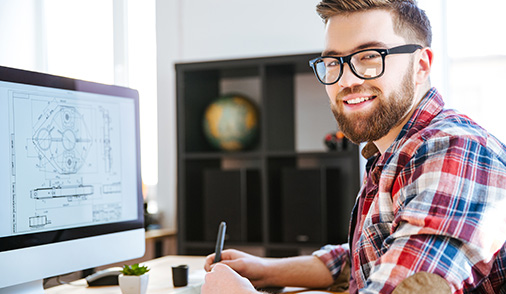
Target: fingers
[[237, 265], [224, 280], [221, 268], [219, 273], [209, 261], [212, 281], [228, 254]]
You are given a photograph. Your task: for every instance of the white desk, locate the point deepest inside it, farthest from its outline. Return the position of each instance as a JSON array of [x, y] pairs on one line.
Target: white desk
[[160, 278]]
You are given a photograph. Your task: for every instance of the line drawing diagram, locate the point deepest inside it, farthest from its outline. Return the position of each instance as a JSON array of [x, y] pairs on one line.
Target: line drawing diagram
[[65, 161], [63, 139]]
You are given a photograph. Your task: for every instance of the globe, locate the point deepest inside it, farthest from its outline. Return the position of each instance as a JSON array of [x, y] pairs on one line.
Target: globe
[[231, 123]]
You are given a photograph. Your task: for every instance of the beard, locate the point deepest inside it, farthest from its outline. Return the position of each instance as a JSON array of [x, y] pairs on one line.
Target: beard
[[373, 125]]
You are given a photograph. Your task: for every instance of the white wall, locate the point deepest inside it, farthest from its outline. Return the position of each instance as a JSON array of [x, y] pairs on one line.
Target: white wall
[[238, 28], [197, 30]]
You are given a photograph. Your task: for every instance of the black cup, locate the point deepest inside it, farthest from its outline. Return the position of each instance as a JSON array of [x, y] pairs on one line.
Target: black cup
[[180, 275]]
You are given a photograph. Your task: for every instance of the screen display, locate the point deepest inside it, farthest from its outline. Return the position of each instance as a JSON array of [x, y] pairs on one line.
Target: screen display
[[68, 159]]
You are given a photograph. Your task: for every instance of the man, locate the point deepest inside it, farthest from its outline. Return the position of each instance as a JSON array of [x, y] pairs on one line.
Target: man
[[430, 214]]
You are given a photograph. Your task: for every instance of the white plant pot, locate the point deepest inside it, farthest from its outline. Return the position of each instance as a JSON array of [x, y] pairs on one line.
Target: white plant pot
[[133, 284]]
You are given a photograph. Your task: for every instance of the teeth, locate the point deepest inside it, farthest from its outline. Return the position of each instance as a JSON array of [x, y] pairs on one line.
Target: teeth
[[358, 100]]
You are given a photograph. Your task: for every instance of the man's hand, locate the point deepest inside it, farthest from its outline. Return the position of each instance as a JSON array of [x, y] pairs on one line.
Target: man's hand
[[222, 280], [249, 266]]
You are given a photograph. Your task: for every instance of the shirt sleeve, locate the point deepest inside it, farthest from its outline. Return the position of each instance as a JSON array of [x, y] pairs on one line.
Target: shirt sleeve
[[335, 257], [448, 205]]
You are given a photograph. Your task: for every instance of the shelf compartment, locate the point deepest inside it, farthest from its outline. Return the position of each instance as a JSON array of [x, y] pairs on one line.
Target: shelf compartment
[[279, 108], [310, 197], [191, 206], [199, 88], [302, 204], [233, 196]]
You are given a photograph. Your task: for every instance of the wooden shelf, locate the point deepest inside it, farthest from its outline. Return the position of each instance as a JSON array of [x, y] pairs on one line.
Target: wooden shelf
[[160, 233]]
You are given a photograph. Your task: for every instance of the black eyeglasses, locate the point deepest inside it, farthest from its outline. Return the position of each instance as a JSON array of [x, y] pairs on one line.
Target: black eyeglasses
[[366, 64]]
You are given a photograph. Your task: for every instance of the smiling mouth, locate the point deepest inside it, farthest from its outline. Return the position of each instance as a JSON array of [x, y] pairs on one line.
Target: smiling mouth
[[359, 100]]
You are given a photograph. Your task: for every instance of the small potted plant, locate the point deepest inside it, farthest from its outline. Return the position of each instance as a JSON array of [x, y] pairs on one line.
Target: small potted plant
[[134, 279]]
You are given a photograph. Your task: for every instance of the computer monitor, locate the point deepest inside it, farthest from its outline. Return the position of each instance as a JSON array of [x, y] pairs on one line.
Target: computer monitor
[[70, 185]]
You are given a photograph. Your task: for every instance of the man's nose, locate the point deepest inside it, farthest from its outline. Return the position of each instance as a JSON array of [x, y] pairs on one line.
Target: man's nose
[[348, 78]]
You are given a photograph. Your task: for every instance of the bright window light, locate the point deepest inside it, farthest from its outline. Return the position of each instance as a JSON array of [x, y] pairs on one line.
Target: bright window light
[[142, 76], [477, 60], [80, 44], [80, 39]]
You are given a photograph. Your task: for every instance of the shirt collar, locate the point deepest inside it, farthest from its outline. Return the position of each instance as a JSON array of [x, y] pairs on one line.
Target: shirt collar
[[428, 108]]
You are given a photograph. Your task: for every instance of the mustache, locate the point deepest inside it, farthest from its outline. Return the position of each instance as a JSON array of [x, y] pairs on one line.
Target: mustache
[[359, 89]]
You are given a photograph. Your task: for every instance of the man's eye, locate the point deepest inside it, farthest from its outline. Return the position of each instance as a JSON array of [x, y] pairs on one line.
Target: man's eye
[[370, 56], [332, 63]]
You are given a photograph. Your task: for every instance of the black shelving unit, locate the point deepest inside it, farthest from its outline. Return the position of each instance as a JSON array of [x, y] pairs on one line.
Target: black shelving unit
[[272, 196]]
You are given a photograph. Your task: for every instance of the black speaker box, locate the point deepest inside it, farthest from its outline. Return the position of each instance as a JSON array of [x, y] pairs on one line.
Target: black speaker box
[[222, 202], [302, 205]]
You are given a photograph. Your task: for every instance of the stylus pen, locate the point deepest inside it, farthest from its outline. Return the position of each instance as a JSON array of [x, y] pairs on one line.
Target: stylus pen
[[219, 241]]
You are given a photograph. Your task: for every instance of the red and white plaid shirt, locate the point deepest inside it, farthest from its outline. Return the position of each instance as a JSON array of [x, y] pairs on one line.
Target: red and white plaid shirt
[[434, 202]]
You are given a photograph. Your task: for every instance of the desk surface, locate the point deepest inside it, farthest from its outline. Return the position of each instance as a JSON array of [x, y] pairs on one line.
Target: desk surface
[[160, 279]]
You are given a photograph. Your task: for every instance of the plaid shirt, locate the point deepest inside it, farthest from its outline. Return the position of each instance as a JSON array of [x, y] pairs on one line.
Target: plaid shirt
[[434, 202]]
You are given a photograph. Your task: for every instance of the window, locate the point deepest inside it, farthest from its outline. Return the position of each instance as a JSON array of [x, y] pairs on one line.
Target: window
[[477, 61], [79, 39], [110, 42], [142, 76], [470, 57]]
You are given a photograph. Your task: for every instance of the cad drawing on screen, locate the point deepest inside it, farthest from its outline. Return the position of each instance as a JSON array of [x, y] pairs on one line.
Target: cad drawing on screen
[[67, 159]]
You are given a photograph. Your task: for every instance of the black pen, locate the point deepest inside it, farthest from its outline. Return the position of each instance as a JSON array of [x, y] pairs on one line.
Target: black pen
[[219, 241]]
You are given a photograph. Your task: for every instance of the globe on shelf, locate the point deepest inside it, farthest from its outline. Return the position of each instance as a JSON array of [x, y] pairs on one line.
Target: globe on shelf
[[231, 122]]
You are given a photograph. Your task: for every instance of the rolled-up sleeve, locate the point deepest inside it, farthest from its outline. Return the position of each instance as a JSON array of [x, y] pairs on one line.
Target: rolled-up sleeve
[[335, 257]]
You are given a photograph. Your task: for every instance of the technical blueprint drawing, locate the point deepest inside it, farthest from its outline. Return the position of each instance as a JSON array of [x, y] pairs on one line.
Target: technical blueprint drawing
[[65, 161]]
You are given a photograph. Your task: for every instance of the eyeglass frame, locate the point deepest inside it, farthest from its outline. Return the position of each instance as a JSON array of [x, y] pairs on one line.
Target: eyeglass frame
[[402, 49]]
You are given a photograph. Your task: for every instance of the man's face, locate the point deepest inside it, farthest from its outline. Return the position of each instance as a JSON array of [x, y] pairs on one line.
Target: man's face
[[366, 110]]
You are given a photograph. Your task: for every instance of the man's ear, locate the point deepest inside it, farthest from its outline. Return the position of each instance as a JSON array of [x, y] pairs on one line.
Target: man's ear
[[424, 65]]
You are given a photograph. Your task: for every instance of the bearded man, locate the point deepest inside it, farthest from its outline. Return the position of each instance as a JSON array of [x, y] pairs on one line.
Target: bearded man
[[430, 214]]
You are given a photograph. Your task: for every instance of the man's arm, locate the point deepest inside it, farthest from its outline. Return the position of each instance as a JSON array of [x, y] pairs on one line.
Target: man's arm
[[300, 271]]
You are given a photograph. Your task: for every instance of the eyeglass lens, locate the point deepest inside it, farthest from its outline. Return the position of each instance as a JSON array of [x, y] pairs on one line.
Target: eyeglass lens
[[366, 64]]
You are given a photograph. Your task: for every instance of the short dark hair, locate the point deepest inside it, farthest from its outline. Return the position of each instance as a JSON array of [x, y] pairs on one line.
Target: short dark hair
[[410, 21]]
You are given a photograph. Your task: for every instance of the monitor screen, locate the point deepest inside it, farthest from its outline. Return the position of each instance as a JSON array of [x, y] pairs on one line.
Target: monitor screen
[[70, 174]]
